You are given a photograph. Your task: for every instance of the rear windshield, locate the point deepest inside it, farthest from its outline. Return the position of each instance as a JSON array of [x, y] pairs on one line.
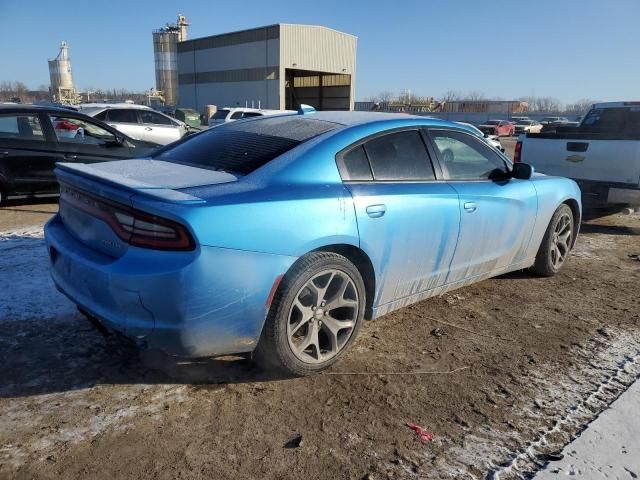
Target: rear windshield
[[220, 115], [242, 147], [616, 120]]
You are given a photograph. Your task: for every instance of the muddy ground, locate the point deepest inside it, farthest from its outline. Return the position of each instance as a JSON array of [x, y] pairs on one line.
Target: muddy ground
[[532, 361]]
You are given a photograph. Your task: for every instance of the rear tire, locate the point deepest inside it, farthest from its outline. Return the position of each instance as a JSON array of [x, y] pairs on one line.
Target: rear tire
[[556, 244], [314, 317]]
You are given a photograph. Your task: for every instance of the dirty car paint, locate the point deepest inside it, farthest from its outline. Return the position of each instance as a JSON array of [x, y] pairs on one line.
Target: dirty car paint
[[250, 230]]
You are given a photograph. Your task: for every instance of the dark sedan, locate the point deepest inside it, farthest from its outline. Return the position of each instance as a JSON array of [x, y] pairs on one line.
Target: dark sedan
[[33, 139]]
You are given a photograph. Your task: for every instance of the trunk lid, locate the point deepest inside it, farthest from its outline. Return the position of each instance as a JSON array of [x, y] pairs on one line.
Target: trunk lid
[[85, 188]]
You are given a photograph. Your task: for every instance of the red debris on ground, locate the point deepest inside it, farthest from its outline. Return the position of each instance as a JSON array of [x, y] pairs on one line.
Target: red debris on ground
[[421, 433]]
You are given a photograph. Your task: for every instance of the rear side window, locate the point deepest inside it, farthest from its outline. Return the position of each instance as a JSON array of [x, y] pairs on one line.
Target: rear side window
[[101, 116], [21, 126], [154, 118], [242, 147], [355, 165], [399, 156], [122, 116], [251, 114], [613, 120], [220, 114]]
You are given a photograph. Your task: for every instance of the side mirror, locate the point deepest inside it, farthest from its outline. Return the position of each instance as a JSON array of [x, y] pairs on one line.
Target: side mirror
[[522, 171]]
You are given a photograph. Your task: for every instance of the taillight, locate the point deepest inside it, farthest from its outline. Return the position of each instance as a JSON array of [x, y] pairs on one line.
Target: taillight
[[518, 153], [130, 225]]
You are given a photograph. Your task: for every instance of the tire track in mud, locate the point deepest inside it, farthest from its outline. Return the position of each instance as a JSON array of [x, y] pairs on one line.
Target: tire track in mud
[[566, 405]]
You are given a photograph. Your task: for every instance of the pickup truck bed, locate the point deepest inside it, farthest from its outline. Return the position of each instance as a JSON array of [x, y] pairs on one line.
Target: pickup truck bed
[[604, 161]]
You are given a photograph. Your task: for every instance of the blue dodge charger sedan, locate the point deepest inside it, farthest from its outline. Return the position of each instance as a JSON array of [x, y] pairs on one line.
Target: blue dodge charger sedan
[[279, 235]]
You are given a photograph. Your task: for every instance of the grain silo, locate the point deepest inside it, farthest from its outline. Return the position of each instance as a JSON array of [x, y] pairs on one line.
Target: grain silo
[[62, 88], [165, 49]]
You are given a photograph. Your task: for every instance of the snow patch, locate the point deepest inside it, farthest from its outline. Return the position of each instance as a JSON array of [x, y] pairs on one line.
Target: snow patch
[[28, 293]]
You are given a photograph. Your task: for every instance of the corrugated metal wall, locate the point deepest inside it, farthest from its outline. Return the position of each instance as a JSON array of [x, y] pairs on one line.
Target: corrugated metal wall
[[319, 49], [239, 67]]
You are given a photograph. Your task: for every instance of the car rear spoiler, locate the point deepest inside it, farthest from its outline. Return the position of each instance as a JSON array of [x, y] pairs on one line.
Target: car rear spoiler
[[152, 178]]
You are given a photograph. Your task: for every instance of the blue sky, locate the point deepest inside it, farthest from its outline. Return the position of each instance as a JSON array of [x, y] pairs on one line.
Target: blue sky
[[569, 49]]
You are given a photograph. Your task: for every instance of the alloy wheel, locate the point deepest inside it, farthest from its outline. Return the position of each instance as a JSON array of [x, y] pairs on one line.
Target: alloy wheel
[[323, 316], [561, 241]]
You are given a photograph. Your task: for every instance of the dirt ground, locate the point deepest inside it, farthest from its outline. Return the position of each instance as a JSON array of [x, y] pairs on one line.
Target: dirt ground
[[531, 361]]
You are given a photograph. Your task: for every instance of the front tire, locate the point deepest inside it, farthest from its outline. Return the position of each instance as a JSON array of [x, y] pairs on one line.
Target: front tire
[[314, 317], [556, 243]]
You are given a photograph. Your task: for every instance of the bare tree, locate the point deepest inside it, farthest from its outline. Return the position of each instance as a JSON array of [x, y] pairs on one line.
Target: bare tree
[[450, 96], [474, 95], [385, 96], [580, 106]]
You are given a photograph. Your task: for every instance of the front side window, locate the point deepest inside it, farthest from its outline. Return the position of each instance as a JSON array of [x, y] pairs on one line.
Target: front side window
[[122, 116], [251, 114], [399, 156], [154, 118], [75, 130], [21, 126], [236, 115], [467, 158]]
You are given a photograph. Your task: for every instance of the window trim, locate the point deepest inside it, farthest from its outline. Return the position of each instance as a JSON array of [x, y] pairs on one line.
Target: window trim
[[342, 169], [445, 173]]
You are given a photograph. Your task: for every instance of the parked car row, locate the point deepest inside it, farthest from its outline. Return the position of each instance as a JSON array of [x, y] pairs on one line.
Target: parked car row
[[33, 139], [231, 114], [138, 121]]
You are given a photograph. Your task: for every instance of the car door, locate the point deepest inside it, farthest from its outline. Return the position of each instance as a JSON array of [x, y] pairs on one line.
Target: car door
[[27, 155], [126, 121], [158, 128], [407, 220], [497, 213], [81, 140]]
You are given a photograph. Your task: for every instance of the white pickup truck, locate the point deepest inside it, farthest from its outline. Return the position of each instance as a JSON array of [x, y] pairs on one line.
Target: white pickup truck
[[602, 154]]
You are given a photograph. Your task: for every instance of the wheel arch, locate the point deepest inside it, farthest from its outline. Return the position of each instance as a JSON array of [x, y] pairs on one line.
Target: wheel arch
[[575, 210], [362, 262]]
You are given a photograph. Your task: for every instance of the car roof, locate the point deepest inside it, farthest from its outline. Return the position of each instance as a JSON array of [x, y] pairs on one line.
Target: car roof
[[358, 118], [104, 106], [16, 107], [616, 104]]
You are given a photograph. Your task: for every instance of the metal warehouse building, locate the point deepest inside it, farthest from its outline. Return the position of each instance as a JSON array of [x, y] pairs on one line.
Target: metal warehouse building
[[277, 66]]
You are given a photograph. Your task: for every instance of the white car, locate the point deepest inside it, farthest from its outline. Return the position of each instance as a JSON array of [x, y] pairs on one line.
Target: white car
[[137, 121], [490, 139], [528, 126], [229, 114]]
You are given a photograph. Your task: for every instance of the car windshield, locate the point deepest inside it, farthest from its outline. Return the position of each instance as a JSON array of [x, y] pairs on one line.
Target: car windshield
[[242, 147], [493, 122], [220, 114]]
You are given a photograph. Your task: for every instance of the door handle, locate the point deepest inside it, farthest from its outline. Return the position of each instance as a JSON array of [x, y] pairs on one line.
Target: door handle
[[470, 206], [148, 129], [4, 154], [70, 156], [577, 146], [376, 211]]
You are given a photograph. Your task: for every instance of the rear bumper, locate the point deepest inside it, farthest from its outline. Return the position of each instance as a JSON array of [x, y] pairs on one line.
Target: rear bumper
[[211, 301]]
